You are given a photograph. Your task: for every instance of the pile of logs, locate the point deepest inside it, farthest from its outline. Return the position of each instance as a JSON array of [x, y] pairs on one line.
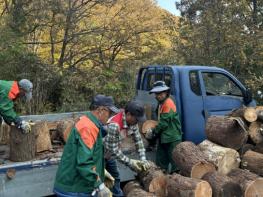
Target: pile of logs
[[228, 163]]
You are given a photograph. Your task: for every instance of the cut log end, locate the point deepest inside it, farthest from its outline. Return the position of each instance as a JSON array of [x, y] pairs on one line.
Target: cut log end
[[200, 169], [250, 114], [158, 185], [255, 188], [203, 189]]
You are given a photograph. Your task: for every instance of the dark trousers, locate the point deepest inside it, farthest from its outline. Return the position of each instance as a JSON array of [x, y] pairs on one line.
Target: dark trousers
[[112, 168], [164, 156]]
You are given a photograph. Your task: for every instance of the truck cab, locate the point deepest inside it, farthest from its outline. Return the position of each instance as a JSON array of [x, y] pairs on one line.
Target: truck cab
[[198, 91]]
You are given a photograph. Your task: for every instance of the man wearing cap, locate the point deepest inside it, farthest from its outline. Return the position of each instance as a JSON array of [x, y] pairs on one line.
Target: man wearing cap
[[124, 125], [168, 130], [81, 169], [9, 91]]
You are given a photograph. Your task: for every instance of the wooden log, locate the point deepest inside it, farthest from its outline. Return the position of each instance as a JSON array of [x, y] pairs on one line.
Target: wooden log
[[131, 185], [4, 133], [64, 128], [22, 146], [248, 113], [153, 180], [259, 111], [259, 148], [256, 132], [245, 148], [251, 184], [180, 186], [191, 160], [148, 124], [226, 132], [222, 185], [141, 192], [225, 159], [43, 141], [253, 162]]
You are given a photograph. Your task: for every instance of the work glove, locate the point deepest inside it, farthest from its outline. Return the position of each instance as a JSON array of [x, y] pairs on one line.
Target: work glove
[[25, 127], [109, 180], [150, 134], [103, 191], [145, 165], [136, 165]]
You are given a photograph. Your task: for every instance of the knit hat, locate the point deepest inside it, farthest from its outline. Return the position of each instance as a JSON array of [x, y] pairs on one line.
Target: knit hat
[[27, 86]]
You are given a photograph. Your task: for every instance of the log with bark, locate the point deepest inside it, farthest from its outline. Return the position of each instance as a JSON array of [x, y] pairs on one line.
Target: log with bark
[[256, 132], [222, 185], [245, 148], [4, 133], [22, 146], [248, 113], [226, 132], [141, 192], [132, 185], [259, 111], [180, 186], [43, 141], [251, 184], [153, 180], [259, 148], [253, 161], [225, 159], [64, 128], [191, 161]]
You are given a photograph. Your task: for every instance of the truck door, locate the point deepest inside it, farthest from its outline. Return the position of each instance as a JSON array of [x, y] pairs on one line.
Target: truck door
[[221, 93]]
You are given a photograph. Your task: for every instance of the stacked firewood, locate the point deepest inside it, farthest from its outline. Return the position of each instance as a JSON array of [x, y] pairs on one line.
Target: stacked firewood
[[228, 163]]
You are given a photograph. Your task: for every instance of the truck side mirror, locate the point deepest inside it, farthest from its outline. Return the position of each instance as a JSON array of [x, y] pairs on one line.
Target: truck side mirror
[[247, 96]]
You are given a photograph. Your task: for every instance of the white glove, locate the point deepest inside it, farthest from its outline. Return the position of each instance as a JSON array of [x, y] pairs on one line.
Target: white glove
[[145, 165], [136, 165], [149, 134], [109, 180], [25, 127], [104, 191]]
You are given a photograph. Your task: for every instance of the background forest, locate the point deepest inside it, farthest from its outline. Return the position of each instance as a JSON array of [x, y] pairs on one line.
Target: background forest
[[73, 49]]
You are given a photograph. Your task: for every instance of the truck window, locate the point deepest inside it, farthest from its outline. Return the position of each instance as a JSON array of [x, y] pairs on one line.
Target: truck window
[[219, 84], [194, 82], [157, 77]]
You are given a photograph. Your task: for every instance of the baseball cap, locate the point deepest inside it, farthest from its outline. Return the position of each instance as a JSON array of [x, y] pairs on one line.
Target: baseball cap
[[159, 86], [136, 109], [107, 101], [27, 86]]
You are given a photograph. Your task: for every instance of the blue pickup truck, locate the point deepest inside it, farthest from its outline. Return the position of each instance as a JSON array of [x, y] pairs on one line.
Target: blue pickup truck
[[199, 91]]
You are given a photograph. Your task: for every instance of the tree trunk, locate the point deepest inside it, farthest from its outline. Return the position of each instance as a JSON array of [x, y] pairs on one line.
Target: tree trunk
[[253, 162], [4, 133], [148, 124], [248, 113], [180, 186], [64, 128], [141, 192], [245, 148], [222, 185], [43, 141], [256, 132], [251, 184], [153, 180], [226, 132], [191, 160], [22, 146], [259, 111], [225, 159], [259, 148], [130, 186]]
